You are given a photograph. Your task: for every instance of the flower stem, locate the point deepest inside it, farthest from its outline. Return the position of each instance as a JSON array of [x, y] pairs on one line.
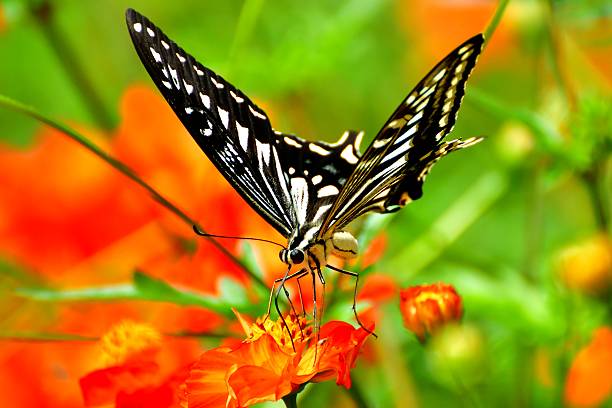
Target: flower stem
[[125, 170], [597, 196], [290, 400], [43, 13], [251, 9], [494, 22]]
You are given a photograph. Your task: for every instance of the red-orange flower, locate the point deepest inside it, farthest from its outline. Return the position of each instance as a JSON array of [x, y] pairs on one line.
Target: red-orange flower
[[140, 368], [265, 367], [589, 381], [425, 308]]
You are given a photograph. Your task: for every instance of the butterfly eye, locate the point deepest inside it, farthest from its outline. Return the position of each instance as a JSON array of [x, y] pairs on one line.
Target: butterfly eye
[[297, 256]]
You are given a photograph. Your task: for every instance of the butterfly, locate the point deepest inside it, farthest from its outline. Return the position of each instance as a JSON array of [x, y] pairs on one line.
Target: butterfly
[[309, 191]]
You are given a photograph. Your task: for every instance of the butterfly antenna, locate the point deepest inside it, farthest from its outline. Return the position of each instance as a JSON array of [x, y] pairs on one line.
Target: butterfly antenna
[[201, 233]]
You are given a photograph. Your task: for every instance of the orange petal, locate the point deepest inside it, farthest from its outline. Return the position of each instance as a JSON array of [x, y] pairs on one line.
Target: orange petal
[[589, 381]]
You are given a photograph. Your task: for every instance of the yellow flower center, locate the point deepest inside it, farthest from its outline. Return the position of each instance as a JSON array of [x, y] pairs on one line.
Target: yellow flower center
[[127, 340], [297, 325]]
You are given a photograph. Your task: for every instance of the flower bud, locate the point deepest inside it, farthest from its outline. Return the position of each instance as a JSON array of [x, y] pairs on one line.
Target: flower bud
[[425, 308]]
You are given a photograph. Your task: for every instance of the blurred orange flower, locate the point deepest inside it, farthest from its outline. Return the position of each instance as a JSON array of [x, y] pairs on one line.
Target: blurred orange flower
[[140, 368], [2, 19], [425, 308], [441, 25], [587, 266], [265, 367], [589, 380], [75, 221]]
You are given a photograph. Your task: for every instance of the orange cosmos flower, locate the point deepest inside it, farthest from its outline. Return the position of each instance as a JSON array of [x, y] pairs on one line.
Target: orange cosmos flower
[[589, 381], [140, 368], [425, 308], [265, 367]]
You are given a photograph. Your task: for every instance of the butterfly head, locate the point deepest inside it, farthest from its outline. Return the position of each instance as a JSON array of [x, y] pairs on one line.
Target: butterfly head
[[292, 256]]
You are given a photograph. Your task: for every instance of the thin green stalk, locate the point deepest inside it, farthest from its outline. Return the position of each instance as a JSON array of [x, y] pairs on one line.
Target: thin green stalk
[[466, 210], [43, 13], [597, 196], [494, 22], [125, 170], [251, 9]]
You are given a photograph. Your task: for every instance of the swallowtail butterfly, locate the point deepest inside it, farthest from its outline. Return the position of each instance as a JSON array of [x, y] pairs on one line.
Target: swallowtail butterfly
[[310, 191]]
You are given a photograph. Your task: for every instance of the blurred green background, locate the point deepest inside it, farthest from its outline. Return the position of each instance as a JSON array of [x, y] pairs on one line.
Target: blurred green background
[[496, 221]]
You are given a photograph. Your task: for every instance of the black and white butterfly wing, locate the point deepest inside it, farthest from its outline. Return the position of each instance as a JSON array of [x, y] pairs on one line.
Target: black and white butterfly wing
[[392, 169], [317, 171], [235, 134]]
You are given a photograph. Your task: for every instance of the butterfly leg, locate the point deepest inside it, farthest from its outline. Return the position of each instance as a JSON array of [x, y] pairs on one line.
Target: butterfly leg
[[301, 273], [356, 276], [300, 291]]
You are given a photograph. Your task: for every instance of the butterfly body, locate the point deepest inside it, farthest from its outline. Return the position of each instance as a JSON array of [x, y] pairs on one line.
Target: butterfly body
[[309, 191]]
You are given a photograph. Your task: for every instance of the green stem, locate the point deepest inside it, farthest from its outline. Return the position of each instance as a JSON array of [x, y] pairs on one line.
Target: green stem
[[43, 13], [125, 170], [251, 9], [492, 26], [598, 201], [290, 400]]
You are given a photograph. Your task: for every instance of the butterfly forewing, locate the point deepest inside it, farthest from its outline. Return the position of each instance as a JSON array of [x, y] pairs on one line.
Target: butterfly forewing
[[233, 132], [392, 169]]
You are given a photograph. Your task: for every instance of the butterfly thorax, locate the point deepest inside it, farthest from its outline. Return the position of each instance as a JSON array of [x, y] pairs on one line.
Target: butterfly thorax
[[314, 253]]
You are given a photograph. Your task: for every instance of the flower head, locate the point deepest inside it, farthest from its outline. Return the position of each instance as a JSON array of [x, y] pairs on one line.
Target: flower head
[[425, 308], [265, 366], [589, 380], [139, 368]]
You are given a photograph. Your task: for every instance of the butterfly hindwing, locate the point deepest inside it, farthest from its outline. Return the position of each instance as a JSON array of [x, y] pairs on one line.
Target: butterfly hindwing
[[392, 169], [317, 171], [234, 133]]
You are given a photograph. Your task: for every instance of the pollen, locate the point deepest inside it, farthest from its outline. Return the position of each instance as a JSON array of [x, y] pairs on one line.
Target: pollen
[[297, 325], [128, 340]]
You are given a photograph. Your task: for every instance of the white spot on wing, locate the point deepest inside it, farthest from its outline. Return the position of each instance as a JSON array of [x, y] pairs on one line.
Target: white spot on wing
[[291, 142], [174, 76], [224, 115], [243, 136], [219, 85], [317, 179], [167, 84], [180, 57], [318, 149], [256, 114], [151, 32], [188, 110], [155, 54], [263, 149], [299, 193], [348, 155], [188, 87], [327, 191], [440, 75], [205, 100], [236, 97], [198, 71], [165, 44], [137, 27]]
